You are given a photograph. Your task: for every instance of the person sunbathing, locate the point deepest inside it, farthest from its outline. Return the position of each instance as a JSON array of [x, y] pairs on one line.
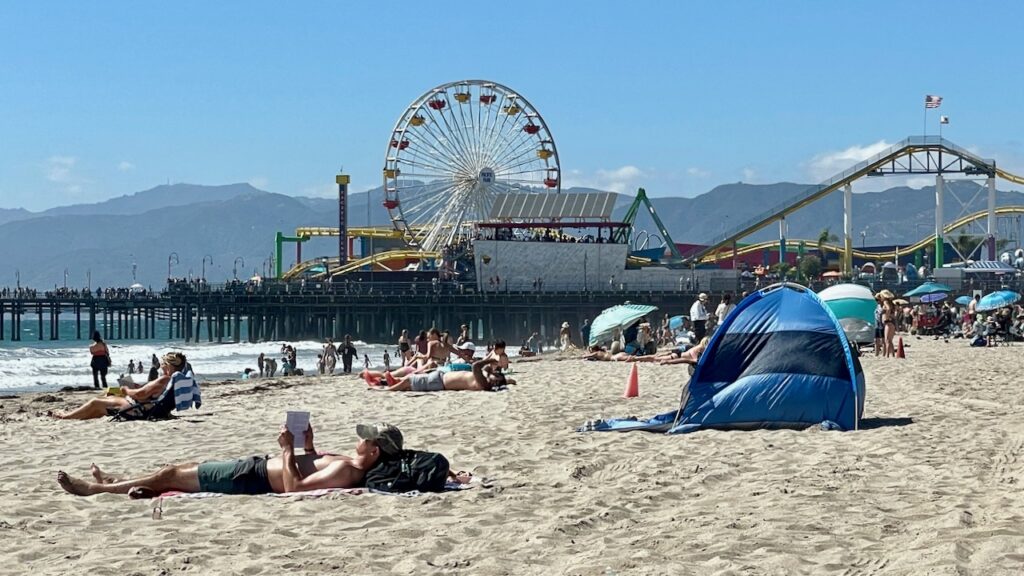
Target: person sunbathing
[[691, 356], [600, 354], [113, 403], [483, 376], [256, 474]]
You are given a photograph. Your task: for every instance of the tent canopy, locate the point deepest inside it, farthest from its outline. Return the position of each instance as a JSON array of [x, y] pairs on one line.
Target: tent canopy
[[780, 360], [854, 306]]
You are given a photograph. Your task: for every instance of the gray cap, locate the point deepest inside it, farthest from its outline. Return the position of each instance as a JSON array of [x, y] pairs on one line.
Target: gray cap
[[387, 437]]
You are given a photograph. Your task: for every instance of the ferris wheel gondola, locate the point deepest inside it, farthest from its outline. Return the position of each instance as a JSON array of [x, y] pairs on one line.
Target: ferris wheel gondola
[[454, 150]]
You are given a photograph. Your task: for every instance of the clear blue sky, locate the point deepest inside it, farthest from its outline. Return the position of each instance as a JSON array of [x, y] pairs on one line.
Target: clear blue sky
[[108, 98]]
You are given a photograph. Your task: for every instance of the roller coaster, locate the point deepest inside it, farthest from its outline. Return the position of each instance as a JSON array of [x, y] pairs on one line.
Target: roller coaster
[[878, 255]]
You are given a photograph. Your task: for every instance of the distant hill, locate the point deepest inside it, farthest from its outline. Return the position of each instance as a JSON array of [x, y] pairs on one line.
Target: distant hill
[[239, 221]]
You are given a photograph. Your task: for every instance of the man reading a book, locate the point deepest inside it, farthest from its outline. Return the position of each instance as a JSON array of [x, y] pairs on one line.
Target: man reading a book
[[257, 474]]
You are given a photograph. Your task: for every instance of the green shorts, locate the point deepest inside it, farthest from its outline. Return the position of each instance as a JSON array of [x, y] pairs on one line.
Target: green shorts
[[245, 476]]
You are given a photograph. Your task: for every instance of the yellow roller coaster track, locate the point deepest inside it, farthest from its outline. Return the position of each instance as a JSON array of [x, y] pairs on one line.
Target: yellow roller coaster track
[[381, 232], [726, 254], [381, 259]]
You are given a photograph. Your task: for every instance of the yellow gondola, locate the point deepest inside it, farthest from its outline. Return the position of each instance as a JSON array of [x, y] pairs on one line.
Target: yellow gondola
[[513, 109], [391, 172], [417, 120], [544, 154], [462, 97]]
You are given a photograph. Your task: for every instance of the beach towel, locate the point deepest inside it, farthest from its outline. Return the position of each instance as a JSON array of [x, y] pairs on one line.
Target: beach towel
[[186, 391], [330, 492]]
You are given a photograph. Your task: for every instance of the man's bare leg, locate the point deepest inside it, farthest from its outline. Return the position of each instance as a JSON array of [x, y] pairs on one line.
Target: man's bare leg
[[181, 477]]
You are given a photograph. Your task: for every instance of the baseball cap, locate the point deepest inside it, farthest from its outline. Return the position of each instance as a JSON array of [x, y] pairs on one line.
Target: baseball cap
[[702, 296], [387, 437]]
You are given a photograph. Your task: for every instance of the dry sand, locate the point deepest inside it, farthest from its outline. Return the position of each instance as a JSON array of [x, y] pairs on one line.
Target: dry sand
[[932, 485]]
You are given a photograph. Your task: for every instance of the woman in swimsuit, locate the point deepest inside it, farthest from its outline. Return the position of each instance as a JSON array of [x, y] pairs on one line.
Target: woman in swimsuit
[[888, 322], [100, 362], [403, 347]]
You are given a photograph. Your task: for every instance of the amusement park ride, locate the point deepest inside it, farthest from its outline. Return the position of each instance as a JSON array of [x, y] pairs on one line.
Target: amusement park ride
[[462, 145]]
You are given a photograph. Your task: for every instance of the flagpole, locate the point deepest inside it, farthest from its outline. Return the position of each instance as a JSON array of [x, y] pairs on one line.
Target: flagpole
[[925, 130]]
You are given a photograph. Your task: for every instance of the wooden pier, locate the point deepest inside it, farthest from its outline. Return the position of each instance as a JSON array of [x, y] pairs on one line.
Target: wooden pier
[[377, 314]]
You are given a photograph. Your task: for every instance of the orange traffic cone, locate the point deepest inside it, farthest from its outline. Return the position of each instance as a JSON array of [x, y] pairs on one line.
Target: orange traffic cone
[[632, 384], [899, 349]]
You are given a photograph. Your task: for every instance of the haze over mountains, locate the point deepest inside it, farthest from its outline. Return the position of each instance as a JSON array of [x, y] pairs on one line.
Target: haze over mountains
[[239, 221]]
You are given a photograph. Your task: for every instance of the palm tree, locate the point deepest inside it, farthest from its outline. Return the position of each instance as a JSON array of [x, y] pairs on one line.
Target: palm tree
[[965, 245], [824, 238]]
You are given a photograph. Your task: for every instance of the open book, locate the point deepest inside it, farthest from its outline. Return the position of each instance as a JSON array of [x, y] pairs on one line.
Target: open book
[[297, 423]]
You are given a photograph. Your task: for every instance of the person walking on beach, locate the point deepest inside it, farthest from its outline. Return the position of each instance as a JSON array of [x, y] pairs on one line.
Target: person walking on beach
[[261, 364], [330, 356], [348, 352], [404, 350], [585, 332], [100, 362], [699, 316]]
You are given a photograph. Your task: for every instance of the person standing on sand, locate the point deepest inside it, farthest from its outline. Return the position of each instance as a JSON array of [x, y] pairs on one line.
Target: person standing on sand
[[348, 352], [699, 316], [100, 362], [330, 356], [585, 332], [261, 363]]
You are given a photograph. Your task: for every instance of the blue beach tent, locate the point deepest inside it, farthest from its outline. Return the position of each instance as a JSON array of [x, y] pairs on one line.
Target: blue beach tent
[[780, 360]]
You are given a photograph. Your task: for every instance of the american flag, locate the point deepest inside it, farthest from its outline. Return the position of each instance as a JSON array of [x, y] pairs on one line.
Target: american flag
[[932, 101]]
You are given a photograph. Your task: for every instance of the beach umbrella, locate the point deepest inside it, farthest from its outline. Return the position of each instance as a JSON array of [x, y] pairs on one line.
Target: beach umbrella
[[997, 300], [854, 306], [616, 318], [933, 297], [928, 288], [136, 287], [963, 300]]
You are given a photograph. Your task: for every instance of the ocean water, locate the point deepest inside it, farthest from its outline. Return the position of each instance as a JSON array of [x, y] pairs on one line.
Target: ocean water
[[34, 365]]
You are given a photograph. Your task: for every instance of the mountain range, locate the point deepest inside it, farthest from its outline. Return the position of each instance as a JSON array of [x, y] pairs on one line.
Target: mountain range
[[140, 237]]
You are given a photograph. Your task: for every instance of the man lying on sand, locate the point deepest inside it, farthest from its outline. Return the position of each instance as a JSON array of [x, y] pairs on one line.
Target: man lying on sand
[[483, 376], [691, 356], [599, 353], [112, 404], [256, 474]]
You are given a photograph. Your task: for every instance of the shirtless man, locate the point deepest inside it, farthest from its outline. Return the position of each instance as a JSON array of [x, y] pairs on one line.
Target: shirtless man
[[483, 376], [256, 474]]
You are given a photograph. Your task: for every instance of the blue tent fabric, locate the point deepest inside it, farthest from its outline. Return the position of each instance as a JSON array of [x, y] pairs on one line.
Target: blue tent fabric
[[780, 360]]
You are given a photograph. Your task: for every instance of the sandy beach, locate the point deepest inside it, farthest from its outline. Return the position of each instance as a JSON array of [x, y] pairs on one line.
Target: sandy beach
[[930, 485]]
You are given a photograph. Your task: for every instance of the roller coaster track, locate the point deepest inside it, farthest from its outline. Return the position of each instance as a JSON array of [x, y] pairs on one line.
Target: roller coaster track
[[333, 268], [915, 155], [726, 253], [314, 231]]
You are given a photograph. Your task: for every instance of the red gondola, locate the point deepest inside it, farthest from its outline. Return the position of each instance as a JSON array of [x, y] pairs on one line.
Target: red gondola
[[400, 145], [391, 204], [437, 104], [487, 98], [551, 182], [531, 128]]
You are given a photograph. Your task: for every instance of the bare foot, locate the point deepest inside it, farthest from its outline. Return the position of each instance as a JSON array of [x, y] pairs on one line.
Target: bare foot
[[73, 486], [55, 415], [100, 476]]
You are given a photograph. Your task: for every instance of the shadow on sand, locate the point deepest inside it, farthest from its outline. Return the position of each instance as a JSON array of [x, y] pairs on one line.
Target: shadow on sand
[[873, 423]]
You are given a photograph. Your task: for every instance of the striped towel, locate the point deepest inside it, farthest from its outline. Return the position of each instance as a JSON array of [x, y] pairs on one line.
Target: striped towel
[[186, 391]]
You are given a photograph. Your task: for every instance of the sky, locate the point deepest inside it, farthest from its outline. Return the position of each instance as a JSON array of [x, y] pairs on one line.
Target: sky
[[102, 99]]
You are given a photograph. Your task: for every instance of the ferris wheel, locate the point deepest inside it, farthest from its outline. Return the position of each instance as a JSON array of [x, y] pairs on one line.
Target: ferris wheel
[[454, 150]]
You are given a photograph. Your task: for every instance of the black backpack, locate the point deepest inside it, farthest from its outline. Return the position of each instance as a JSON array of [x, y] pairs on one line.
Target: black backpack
[[410, 470]]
